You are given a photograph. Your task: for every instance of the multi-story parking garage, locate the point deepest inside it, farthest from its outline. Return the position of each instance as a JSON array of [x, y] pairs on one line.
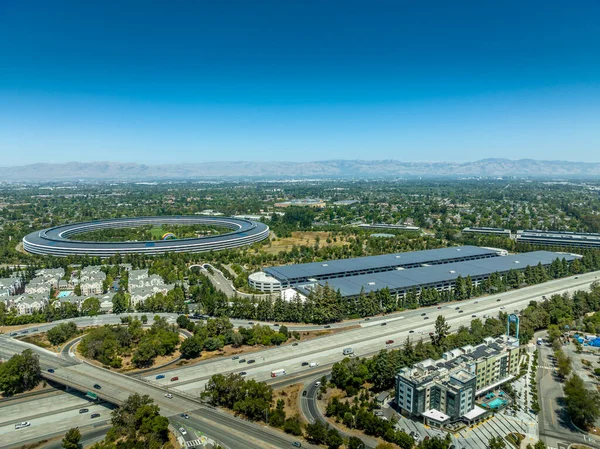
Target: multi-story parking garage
[[280, 277], [401, 272], [59, 241], [558, 238]]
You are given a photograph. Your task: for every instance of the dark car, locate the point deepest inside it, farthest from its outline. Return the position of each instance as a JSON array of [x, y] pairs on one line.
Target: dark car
[[295, 344], [426, 318], [411, 331], [431, 334], [243, 373], [304, 363], [384, 324], [95, 415], [242, 361], [50, 370], [185, 416], [173, 379], [367, 319], [327, 326], [97, 387], [251, 361], [25, 332], [460, 311], [276, 324], [297, 444], [498, 300], [423, 314], [84, 410], [235, 357], [457, 308], [439, 307], [251, 323], [304, 393], [36, 329], [473, 316]]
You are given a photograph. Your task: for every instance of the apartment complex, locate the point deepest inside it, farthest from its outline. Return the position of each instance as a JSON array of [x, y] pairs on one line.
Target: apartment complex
[[444, 391]]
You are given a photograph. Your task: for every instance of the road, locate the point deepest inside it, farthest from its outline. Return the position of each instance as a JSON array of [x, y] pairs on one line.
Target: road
[[115, 388], [555, 427], [368, 339]]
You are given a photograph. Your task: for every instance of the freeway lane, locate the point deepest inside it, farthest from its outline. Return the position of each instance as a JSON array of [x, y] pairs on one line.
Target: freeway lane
[[369, 338]]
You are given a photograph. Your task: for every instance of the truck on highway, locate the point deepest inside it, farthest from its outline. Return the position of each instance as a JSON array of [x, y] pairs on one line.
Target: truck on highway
[[278, 372]]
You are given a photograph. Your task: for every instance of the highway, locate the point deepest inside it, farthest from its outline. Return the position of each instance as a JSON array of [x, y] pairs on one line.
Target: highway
[[115, 388], [365, 340], [368, 339]]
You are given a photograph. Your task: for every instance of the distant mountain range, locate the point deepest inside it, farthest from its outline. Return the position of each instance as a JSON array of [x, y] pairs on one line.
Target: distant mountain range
[[286, 170]]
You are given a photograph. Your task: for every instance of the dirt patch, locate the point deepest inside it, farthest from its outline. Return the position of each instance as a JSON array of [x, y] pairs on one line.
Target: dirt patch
[[301, 238], [290, 395]]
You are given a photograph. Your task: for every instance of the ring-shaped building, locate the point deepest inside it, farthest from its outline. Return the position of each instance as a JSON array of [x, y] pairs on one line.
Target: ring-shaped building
[[57, 241]]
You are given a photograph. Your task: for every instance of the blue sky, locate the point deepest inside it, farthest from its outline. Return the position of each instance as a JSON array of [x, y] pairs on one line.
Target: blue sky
[[193, 81]]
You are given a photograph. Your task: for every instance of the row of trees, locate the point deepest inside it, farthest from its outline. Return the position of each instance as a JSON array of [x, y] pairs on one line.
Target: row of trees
[[216, 333], [109, 344], [325, 305], [62, 332]]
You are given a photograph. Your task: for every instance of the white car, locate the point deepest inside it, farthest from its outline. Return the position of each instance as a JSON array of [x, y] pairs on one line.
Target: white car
[[317, 384], [168, 395], [313, 364], [23, 424], [183, 431]]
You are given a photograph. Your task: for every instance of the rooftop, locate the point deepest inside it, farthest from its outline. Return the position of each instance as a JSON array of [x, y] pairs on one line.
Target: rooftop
[[386, 261], [405, 280]]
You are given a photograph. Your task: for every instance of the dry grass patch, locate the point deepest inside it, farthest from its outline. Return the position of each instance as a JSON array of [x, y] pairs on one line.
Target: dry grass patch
[[301, 238], [290, 396]]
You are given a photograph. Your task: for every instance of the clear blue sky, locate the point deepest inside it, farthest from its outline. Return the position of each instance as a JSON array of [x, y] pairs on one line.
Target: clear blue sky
[[192, 81]]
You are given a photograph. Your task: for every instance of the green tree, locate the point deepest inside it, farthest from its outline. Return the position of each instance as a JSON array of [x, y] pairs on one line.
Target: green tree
[[191, 348], [441, 331], [583, 406], [71, 439], [496, 443], [120, 302], [90, 307], [20, 373], [355, 443]]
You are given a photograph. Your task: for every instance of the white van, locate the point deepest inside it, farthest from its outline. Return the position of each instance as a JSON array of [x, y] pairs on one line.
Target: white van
[[313, 364]]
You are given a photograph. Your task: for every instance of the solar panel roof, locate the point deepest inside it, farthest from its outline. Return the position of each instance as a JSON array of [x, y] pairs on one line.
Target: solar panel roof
[[390, 261], [403, 280]]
